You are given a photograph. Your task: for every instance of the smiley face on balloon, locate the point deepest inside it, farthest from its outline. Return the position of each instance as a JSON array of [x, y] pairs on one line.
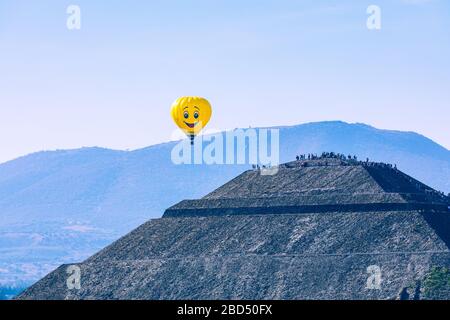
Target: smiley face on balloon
[[191, 114]]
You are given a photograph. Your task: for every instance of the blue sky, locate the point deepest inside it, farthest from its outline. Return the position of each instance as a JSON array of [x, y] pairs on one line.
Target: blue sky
[[260, 63]]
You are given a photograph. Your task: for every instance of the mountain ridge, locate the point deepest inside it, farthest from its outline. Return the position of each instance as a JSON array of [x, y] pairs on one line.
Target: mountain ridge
[[162, 144]]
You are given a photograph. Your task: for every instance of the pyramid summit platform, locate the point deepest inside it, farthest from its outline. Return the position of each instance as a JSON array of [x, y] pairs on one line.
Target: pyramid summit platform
[[321, 185], [330, 227]]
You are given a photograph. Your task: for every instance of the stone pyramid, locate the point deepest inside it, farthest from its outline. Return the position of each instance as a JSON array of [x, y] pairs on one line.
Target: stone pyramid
[[327, 228]]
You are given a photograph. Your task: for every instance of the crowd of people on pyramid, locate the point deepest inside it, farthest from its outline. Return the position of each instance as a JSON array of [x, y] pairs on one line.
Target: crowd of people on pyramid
[[353, 160], [346, 159], [326, 155]]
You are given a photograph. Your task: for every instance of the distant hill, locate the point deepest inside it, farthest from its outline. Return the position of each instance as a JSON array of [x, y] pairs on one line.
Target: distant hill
[[62, 206]]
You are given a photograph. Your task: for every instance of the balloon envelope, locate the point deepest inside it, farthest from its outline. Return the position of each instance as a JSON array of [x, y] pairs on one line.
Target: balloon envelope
[[191, 114]]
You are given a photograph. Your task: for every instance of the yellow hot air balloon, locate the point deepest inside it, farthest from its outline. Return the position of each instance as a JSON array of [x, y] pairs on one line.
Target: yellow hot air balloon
[[191, 114]]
